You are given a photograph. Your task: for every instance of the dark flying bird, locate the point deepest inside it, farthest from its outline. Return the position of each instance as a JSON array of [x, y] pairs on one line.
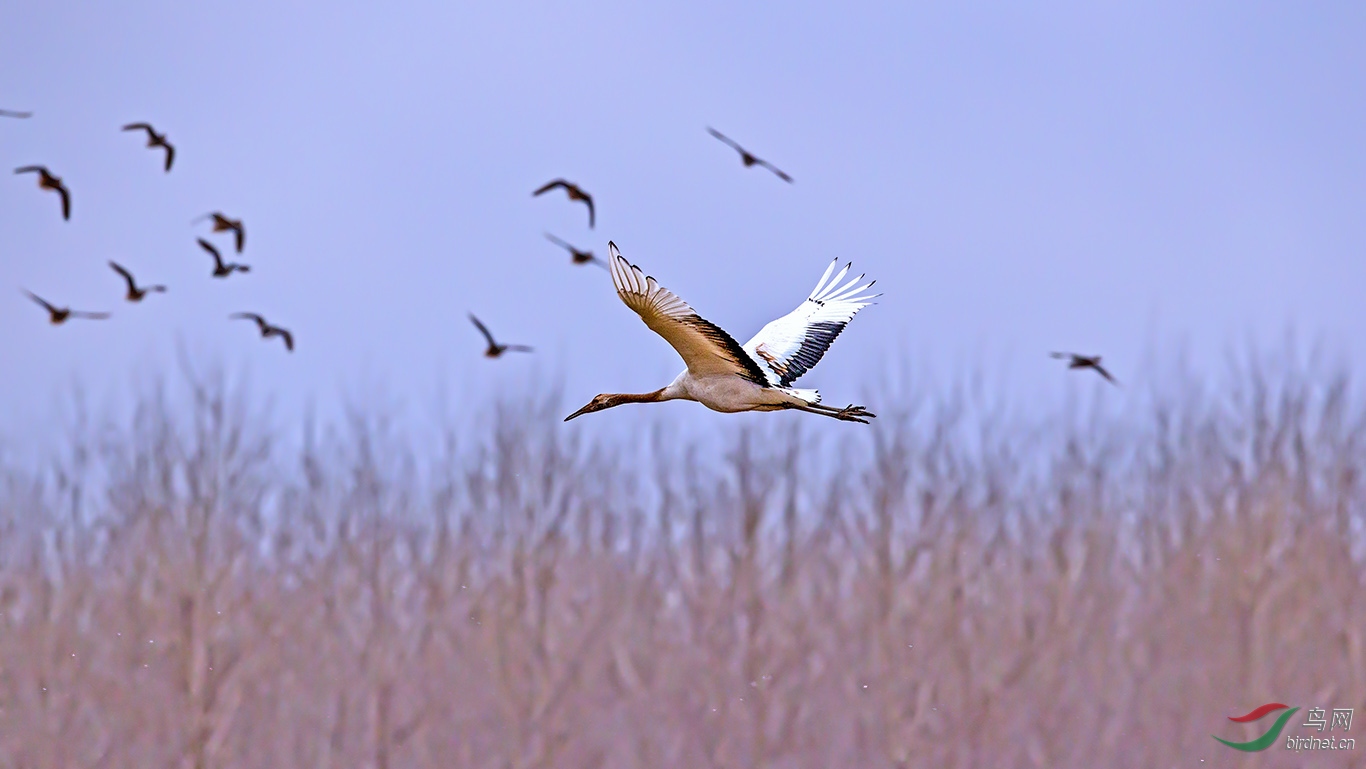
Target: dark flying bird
[[221, 270], [579, 257], [496, 349], [267, 330], [1084, 361], [47, 181], [12, 113], [574, 194], [746, 157], [222, 223], [154, 139], [135, 294], [59, 315]]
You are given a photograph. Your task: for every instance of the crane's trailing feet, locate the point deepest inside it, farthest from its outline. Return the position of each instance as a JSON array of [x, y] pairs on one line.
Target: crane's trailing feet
[[725, 376]]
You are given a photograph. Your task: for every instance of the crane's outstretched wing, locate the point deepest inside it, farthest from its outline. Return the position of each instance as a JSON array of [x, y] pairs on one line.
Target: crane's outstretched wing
[[704, 347], [791, 345]]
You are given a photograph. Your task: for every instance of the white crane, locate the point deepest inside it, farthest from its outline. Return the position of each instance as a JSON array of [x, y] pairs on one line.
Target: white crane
[[721, 374]]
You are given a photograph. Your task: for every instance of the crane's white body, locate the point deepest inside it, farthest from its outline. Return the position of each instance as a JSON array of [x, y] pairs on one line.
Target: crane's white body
[[728, 393], [725, 376]]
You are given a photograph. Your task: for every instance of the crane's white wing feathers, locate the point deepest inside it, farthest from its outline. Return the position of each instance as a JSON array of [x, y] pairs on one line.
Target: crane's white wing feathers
[[791, 345], [705, 348]]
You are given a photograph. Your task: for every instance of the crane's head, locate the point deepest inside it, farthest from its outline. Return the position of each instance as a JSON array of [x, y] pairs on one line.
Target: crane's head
[[599, 402]]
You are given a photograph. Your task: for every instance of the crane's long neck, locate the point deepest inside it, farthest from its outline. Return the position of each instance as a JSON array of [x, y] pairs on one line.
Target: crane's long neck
[[616, 399]]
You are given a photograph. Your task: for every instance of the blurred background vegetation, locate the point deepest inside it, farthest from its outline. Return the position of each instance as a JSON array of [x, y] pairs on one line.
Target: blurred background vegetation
[[198, 586]]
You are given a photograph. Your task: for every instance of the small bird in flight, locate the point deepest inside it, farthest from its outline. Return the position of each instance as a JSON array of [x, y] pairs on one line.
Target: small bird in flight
[[135, 294], [221, 270], [267, 330], [579, 257], [222, 223], [47, 181], [12, 113], [496, 349], [154, 139], [747, 157], [59, 315], [574, 194], [1084, 361]]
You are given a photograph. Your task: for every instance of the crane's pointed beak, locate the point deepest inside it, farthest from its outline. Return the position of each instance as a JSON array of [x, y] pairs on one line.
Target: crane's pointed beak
[[585, 410]]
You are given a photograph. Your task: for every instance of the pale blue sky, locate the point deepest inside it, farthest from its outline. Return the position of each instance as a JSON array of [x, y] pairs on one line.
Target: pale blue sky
[[1072, 175]]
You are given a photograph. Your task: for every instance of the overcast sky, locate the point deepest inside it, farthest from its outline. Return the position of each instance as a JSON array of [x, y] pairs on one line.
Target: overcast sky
[[1118, 180]]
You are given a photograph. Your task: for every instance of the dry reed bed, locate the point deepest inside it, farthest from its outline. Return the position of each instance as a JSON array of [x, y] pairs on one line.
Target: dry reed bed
[[931, 593]]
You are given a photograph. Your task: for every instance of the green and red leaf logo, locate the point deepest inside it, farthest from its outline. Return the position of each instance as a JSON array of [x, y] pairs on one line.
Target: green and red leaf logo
[[1269, 737]]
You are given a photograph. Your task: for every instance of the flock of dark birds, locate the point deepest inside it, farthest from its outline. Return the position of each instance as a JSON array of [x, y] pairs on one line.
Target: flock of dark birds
[[136, 293], [223, 269], [577, 255]]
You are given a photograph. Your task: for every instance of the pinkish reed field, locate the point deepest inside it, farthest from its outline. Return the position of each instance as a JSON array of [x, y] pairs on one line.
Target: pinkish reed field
[[942, 591]]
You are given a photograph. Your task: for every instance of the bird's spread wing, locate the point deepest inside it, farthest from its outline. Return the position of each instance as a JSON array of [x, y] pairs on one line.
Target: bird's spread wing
[[138, 127], [31, 170], [483, 330], [66, 201], [12, 113], [241, 236], [126, 275], [283, 334], [729, 141], [780, 173], [791, 345], [704, 347], [89, 315], [41, 301], [207, 246], [589, 200], [551, 185], [170, 155], [561, 243], [518, 348], [251, 316]]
